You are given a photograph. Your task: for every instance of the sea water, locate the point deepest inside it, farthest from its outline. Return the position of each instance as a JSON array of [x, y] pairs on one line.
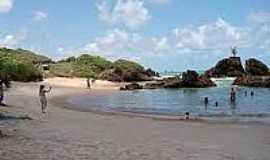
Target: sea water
[[179, 101]]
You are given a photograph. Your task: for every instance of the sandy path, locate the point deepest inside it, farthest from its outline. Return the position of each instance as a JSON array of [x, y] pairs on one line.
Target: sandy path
[[66, 134]]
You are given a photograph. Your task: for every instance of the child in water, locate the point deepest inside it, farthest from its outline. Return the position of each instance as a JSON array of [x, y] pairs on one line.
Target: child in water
[[42, 96]]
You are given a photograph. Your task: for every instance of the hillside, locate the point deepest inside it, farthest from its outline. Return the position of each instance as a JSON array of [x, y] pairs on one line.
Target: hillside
[[20, 65]]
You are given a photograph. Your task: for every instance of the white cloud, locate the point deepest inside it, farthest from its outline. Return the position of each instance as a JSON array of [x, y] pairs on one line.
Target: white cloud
[[260, 17], [40, 16], [160, 1], [128, 13], [211, 38], [12, 40], [219, 35], [161, 44], [6, 6]]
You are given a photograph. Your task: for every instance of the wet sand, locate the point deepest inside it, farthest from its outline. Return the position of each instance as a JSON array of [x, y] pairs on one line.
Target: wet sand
[[68, 134]]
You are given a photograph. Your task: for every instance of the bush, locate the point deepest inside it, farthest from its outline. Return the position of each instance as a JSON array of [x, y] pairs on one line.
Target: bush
[[62, 69], [12, 69], [122, 64]]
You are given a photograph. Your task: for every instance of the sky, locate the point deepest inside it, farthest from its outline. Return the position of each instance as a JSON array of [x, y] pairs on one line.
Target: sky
[[172, 35]]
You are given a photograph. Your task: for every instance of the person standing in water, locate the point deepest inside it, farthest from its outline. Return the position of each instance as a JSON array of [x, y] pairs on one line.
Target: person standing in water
[[252, 93], [42, 96], [232, 95]]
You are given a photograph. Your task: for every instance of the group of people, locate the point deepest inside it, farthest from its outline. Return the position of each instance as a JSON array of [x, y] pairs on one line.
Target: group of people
[[232, 97]]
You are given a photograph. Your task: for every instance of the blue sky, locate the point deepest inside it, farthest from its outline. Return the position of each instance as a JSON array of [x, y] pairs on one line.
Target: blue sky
[[162, 34]]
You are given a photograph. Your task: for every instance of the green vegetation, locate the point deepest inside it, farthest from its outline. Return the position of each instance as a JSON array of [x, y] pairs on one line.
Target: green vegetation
[[12, 69], [24, 55], [90, 66], [24, 65], [127, 65], [20, 65], [84, 66]]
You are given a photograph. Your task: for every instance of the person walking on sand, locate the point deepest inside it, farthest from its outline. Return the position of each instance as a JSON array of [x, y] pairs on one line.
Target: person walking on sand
[[1, 93], [42, 96], [88, 83]]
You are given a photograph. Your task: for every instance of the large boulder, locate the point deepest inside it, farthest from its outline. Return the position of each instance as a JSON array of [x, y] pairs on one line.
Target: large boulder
[[135, 75], [256, 67], [130, 75], [227, 67], [132, 86], [151, 73], [253, 81], [190, 79], [111, 75], [172, 82]]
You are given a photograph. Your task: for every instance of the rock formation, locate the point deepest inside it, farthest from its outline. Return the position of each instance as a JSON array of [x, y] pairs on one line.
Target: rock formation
[[130, 75], [132, 86], [253, 81], [190, 79], [227, 67], [256, 68]]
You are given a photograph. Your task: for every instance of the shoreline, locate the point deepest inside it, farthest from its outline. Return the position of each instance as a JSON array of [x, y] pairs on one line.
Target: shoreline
[[69, 134], [62, 101]]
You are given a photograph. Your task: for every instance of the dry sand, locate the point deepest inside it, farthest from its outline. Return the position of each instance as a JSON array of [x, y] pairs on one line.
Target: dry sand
[[66, 134]]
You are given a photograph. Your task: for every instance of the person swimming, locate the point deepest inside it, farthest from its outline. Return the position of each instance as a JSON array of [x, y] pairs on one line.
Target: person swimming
[[216, 104], [42, 96]]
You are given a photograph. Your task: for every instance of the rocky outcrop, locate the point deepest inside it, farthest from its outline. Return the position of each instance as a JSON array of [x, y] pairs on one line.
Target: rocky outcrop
[[135, 75], [110, 75], [132, 86], [151, 73], [228, 67], [256, 68], [131, 75], [253, 81], [155, 85], [190, 79]]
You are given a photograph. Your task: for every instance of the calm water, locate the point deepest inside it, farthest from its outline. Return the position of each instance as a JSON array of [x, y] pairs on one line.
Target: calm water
[[179, 101]]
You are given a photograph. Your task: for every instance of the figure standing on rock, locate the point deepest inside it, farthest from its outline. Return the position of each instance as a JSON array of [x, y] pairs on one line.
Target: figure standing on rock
[[234, 51]]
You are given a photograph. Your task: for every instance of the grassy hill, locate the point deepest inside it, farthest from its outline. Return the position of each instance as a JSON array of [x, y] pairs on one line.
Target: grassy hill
[[24, 65], [90, 66], [20, 65]]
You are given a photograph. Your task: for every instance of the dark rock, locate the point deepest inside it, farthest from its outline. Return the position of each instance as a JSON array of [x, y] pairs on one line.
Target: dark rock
[[135, 75], [131, 75], [253, 81], [154, 85], [132, 86], [256, 68], [173, 82], [111, 75], [190, 79], [228, 67], [151, 73]]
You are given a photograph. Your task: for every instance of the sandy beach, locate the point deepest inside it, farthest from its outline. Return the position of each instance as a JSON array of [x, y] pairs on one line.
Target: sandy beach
[[67, 134]]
